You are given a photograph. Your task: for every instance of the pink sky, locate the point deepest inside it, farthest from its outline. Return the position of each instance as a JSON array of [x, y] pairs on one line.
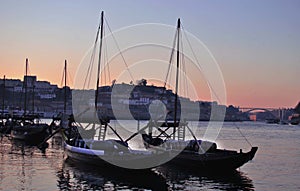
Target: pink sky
[[255, 44]]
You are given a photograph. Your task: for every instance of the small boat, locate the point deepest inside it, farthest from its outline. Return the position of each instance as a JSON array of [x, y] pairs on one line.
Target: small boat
[[5, 128], [4, 124], [28, 127], [295, 119], [199, 154]]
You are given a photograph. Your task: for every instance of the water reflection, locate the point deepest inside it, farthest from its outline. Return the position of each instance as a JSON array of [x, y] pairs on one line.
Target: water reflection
[[56, 142], [25, 167], [183, 179], [16, 165], [75, 176], [21, 148]]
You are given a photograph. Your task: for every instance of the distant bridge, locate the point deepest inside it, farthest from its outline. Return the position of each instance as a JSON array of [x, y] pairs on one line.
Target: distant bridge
[[249, 109], [273, 111]]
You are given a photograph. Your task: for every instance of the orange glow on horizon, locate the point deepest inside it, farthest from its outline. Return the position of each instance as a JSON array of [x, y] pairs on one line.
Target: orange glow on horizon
[[244, 96]]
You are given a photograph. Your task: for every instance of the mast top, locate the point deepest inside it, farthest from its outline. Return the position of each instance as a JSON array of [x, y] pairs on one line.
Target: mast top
[[65, 88], [178, 23], [99, 58], [26, 68]]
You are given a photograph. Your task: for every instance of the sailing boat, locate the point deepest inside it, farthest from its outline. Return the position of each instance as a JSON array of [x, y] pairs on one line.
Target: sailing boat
[[4, 124], [60, 120], [82, 144], [196, 154], [28, 127], [295, 119]]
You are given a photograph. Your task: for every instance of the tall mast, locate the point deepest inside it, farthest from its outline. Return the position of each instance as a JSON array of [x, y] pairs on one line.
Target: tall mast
[[3, 98], [99, 62], [177, 73], [33, 87], [25, 86], [65, 92]]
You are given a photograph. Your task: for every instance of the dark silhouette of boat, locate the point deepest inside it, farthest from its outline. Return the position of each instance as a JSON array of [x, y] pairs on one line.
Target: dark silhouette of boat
[[108, 153], [5, 125], [198, 154], [203, 155], [79, 138], [214, 160], [28, 127], [80, 144], [295, 119]]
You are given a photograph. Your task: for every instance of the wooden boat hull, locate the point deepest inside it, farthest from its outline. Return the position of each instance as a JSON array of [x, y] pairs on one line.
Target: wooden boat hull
[[5, 130], [295, 120], [217, 161], [133, 159], [33, 134], [186, 154]]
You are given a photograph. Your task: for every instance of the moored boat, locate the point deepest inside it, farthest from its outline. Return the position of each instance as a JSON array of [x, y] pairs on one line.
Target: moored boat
[[4, 116], [200, 154], [80, 143], [108, 153], [295, 119], [28, 126], [29, 130], [85, 141]]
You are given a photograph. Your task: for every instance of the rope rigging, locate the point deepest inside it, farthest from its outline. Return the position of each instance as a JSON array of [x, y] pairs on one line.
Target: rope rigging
[[170, 60], [194, 54], [117, 45], [242, 134], [175, 42], [103, 70], [88, 76], [184, 82], [69, 78], [213, 91]]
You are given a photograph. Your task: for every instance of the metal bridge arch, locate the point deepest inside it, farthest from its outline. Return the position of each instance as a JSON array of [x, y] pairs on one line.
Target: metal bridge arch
[[259, 109]]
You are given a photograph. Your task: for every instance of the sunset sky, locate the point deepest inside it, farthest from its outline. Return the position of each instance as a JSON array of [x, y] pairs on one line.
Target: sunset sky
[[255, 43]]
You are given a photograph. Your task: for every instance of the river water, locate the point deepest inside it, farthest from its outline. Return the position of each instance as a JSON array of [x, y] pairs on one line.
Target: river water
[[276, 166]]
